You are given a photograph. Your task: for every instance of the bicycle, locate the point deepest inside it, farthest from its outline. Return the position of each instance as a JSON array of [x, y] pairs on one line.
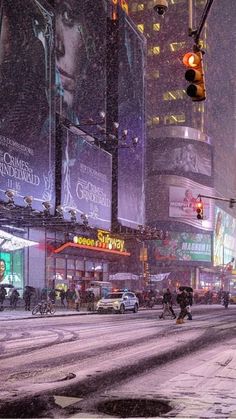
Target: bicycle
[[44, 307]]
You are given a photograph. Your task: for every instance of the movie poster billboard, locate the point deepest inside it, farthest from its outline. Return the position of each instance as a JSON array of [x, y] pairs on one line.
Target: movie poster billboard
[[193, 157], [188, 247], [26, 111], [182, 203], [81, 61], [131, 118], [86, 180], [224, 237]]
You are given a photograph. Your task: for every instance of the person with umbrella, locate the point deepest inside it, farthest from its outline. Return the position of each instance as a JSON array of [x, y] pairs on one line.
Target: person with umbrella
[[183, 301]]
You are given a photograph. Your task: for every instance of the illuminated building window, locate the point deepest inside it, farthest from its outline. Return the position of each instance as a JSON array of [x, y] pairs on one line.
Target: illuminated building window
[[137, 7], [174, 119], [155, 74], [140, 27], [174, 95], [155, 50], [176, 46], [140, 6], [155, 120], [156, 26], [177, 1]]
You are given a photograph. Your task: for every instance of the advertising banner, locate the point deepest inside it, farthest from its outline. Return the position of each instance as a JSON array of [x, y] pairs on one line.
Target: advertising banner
[[81, 60], [181, 247], [224, 237], [131, 118], [26, 122], [182, 202], [192, 157], [86, 180]]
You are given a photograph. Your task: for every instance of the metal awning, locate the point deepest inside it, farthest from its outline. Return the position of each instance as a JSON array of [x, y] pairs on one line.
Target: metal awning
[[9, 242]]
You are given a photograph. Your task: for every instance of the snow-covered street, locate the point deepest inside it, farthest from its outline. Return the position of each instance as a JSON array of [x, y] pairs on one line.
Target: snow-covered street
[[192, 366]]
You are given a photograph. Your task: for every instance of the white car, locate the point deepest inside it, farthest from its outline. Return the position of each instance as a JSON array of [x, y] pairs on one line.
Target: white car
[[118, 302]]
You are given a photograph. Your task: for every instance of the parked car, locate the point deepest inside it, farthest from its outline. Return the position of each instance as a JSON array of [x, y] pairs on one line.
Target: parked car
[[118, 302]]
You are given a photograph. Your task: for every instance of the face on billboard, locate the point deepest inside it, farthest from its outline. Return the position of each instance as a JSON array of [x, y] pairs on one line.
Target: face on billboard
[[80, 58], [70, 46]]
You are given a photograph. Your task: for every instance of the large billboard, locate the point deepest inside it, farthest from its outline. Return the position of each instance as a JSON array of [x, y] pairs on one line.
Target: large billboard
[[224, 237], [188, 247], [193, 157], [26, 79], [26, 123], [81, 60], [183, 201], [131, 118], [86, 180]]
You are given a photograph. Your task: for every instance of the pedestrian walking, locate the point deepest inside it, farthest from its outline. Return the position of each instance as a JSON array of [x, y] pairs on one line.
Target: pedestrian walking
[[190, 303], [3, 294], [226, 299], [182, 300], [27, 297], [62, 297], [14, 298], [77, 300], [167, 302], [90, 300]]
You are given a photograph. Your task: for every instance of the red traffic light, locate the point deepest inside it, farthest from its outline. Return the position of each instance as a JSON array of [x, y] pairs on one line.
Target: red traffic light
[[199, 209], [195, 74]]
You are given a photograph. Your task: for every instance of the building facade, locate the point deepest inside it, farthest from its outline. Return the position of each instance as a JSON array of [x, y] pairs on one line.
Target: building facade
[[188, 144]]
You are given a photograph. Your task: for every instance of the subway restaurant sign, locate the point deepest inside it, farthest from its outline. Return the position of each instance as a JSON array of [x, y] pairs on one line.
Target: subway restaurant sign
[[103, 241]]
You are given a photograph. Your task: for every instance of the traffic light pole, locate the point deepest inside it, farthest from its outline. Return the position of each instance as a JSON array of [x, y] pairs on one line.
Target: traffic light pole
[[195, 33], [231, 201]]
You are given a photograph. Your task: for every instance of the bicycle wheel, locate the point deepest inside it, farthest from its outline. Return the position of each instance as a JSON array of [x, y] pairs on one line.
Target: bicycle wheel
[[52, 310], [36, 310]]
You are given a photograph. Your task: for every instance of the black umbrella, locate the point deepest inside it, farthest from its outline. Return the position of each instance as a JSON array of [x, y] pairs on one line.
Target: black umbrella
[[30, 288], [185, 288]]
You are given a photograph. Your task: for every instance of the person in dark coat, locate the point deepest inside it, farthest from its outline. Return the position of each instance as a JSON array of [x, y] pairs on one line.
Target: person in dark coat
[[62, 297], [90, 300], [14, 298], [167, 304], [3, 294], [27, 297], [182, 300], [190, 303]]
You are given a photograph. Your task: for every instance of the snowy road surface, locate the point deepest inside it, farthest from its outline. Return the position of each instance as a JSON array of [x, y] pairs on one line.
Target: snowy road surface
[[192, 366]]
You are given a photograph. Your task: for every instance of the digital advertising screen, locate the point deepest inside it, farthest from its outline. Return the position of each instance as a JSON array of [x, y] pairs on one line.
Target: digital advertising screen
[[224, 237], [27, 154], [183, 201], [176, 246], [193, 157], [86, 180], [131, 114], [80, 33]]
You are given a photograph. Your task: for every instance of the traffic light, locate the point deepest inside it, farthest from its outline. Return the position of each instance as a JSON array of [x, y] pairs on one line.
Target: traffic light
[[199, 209], [195, 74]]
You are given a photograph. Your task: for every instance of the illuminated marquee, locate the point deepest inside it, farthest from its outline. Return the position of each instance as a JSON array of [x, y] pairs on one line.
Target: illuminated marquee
[[103, 241]]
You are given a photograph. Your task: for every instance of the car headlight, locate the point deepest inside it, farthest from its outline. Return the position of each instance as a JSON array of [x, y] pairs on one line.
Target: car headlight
[[116, 303]]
